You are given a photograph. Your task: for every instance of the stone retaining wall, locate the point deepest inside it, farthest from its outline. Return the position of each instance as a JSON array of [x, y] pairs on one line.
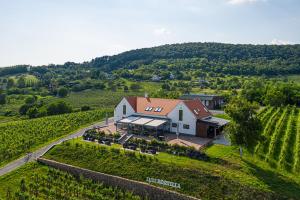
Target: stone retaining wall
[[138, 188]]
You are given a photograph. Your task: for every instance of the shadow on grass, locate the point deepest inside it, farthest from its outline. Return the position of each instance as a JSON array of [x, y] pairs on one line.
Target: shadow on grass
[[276, 182]]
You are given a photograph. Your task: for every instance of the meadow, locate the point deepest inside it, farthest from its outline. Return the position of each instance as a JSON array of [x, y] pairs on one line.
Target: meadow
[[36, 181], [226, 175], [20, 137]]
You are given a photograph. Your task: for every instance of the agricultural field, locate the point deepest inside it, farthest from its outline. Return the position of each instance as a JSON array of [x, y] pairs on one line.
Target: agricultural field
[[96, 98], [281, 144], [30, 80], [235, 178], [20, 137], [36, 181]]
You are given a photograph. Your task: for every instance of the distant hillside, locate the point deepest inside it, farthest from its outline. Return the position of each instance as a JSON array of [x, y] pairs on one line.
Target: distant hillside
[[219, 58]]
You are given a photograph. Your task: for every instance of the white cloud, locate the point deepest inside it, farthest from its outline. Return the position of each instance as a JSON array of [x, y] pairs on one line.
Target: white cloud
[[279, 42], [161, 31], [240, 2]]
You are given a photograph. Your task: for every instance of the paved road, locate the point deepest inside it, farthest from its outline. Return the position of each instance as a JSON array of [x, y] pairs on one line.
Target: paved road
[[40, 152]]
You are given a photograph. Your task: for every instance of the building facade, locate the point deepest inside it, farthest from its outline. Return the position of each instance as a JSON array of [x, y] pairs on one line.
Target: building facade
[[190, 117], [211, 101]]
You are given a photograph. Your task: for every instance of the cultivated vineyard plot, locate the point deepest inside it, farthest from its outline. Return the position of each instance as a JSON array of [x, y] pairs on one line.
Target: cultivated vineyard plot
[[286, 158], [279, 135], [296, 167], [266, 116], [268, 132], [55, 184], [281, 132], [20, 137]]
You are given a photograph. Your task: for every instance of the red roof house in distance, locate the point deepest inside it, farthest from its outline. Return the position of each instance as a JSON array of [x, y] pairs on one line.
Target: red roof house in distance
[[145, 115]]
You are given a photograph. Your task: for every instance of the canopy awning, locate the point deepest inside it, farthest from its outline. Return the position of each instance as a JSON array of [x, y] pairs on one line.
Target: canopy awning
[[129, 119], [142, 121], [156, 123], [215, 120]]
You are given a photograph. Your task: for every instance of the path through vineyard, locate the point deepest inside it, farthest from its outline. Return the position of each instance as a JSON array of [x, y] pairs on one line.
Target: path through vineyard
[[38, 153]]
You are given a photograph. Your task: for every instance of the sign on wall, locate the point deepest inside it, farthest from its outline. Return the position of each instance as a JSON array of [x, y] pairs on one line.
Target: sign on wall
[[163, 182]]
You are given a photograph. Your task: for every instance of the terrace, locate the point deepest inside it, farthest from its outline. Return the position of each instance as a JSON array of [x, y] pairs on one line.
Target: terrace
[[150, 131], [144, 126]]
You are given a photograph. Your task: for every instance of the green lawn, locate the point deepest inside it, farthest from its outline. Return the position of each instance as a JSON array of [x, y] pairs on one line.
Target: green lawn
[[245, 178]]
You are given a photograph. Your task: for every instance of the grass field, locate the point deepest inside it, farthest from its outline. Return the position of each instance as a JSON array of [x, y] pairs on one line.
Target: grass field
[[225, 176], [36, 181]]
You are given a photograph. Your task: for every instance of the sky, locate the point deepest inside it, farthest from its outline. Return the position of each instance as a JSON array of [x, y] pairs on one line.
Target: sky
[[41, 32]]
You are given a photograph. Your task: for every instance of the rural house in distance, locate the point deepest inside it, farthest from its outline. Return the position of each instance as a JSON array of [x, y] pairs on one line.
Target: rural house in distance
[[211, 101], [145, 115]]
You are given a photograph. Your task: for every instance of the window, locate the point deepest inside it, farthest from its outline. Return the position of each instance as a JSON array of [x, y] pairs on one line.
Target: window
[[207, 103], [174, 125], [180, 115], [186, 126], [124, 109], [148, 108]]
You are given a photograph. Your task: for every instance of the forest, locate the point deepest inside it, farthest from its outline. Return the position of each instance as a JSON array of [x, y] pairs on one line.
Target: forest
[[233, 59]]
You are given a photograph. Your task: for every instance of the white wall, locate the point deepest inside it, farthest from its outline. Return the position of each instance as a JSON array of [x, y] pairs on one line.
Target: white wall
[[188, 118], [118, 112]]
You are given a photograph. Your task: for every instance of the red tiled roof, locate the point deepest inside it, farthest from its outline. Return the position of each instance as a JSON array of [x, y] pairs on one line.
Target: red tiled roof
[[197, 108], [132, 102], [139, 104]]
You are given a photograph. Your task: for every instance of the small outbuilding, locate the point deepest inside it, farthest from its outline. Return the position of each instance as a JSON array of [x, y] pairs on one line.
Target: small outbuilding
[[211, 101]]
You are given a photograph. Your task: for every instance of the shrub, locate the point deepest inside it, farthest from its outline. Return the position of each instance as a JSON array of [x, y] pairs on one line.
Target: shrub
[[62, 92], [85, 108]]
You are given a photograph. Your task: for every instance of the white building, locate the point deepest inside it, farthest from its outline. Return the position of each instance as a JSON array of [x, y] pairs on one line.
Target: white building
[[143, 115]]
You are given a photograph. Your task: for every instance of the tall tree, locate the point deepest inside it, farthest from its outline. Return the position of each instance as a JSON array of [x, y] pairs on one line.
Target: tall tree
[[63, 92], [2, 99], [21, 82], [245, 127]]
